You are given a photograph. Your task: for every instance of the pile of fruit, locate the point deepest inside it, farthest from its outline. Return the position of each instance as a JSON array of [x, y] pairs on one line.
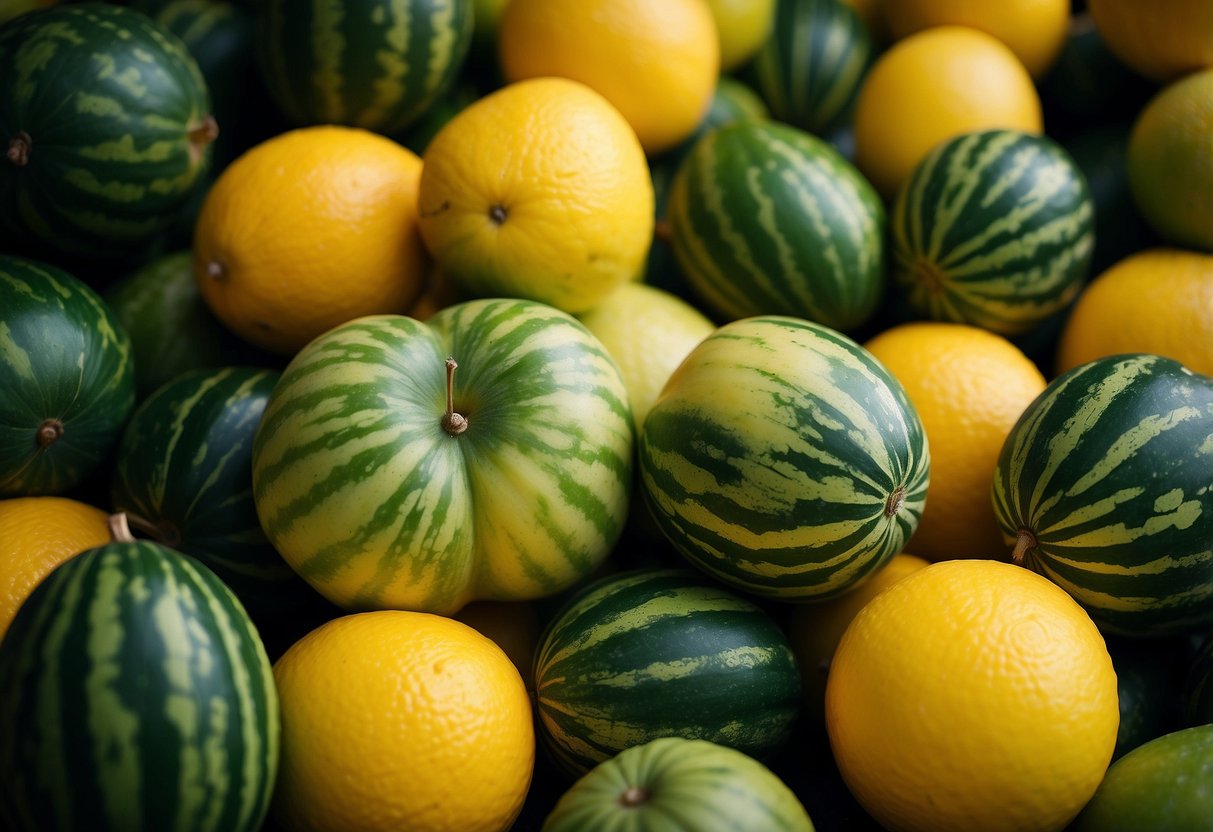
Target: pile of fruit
[[606, 414]]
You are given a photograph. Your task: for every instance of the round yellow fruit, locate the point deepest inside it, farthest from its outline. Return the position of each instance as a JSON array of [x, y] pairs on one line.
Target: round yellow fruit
[[540, 191], [742, 26], [972, 694], [1170, 161], [969, 387], [401, 720], [1161, 39], [656, 62], [1035, 30], [36, 535], [933, 86], [1157, 301], [308, 230]]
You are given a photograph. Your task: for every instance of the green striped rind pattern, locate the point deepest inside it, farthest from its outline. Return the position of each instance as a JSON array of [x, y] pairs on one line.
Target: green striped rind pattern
[[108, 99], [811, 66], [701, 784], [66, 360], [365, 494], [994, 228], [767, 219], [783, 459], [135, 694], [658, 653], [376, 64], [184, 476], [1108, 473]]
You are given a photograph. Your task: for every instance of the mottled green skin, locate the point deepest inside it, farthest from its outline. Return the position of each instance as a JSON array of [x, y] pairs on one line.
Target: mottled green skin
[[376, 64], [108, 100], [184, 475], [64, 360], [662, 652], [1105, 478], [783, 459], [810, 69], [994, 228], [135, 696], [1166, 784], [687, 785], [768, 219]]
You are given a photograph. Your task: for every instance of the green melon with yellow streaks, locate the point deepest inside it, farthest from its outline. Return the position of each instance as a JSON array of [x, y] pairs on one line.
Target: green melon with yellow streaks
[[105, 126], [782, 458], [135, 695], [1104, 487], [768, 219], [994, 228], [375, 64], [662, 653], [67, 380], [811, 66], [483, 454]]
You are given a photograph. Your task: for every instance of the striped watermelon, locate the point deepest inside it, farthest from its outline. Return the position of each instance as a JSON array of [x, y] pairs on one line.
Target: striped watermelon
[[768, 219], [658, 653], [811, 67], [783, 459], [994, 228], [184, 477], [383, 495], [67, 383], [374, 64], [105, 120], [1103, 486], [135, 695], [705, 785]]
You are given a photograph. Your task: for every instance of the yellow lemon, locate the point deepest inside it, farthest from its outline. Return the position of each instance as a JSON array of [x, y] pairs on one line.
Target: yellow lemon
[[1161, 39], [308, 230], [1170, 161], [1157, 301], [972, 695], [1035, 30], [401, 720], [741, 27], [541, 191], [36, 535], [656, 62], [969, 387], [932, 86]]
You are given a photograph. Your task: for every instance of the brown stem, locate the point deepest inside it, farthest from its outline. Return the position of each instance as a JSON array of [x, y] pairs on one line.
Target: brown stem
[[49, 433], [19, 147], [452, 422], [204, 133], [894, 503], [162, 531], [634, 796], [1023, 543], [120, 531], [216, 270]]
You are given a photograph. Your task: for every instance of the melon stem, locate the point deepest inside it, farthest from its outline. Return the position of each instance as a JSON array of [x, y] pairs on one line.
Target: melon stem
[[634, 796], [1023, 542], [452, 422], [120, 531], [894, 503], [19, 147], [49, 433]]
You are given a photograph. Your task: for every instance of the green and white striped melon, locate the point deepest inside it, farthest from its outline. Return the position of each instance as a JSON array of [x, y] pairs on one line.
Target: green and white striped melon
[[705, 785], [106, 128], [67, 381], [382, 492], [768, 219], [374, 64], [1103, 486], [994, 228], [135, 695], [783, 459], [811, 66], [662, 653]]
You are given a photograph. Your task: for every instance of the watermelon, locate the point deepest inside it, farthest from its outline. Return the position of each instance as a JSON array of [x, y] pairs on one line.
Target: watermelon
[[107, 129], [135, 695], [1149, 687], [373, 64], [811, 66], [1103, 487], [658, 653], [184, 477], [994, 228], [704, 785], [67, 381], [768, 219], [783, 459]]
